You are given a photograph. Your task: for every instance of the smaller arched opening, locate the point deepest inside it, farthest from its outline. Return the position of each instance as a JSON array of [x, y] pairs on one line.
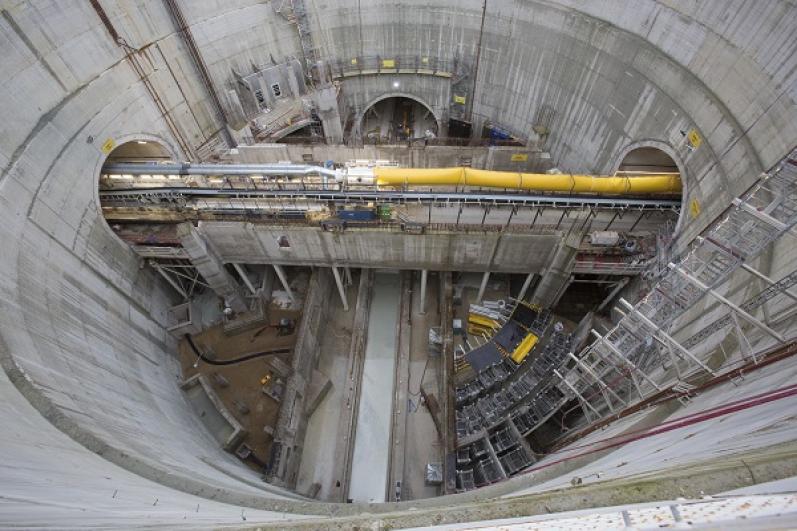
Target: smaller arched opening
[[652, 157], [648, 160], [398, 119], [120, 217], [623, 244], [151, 232]]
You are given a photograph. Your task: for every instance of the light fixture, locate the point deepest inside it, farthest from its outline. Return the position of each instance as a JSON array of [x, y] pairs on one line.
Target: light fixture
[[141, 141], [395, 84]]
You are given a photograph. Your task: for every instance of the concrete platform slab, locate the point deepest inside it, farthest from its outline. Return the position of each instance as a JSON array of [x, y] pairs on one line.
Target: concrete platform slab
[[370, 462]]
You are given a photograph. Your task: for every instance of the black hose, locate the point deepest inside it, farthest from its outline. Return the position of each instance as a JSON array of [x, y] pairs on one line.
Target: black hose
[[236, 360]]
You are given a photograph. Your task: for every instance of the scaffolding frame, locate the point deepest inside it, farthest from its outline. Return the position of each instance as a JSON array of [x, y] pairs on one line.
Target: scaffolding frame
[[640, 338]]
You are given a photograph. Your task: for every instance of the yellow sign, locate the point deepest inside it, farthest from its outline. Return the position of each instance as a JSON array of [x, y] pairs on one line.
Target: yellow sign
[[425, 60], [354, 61], [459, 99], [520, 157], [388, 63], [694, 138], [108, 146], [694, 208]]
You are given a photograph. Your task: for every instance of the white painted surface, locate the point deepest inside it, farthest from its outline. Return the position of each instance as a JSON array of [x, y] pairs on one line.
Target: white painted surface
[[744, 512], [369, 465]]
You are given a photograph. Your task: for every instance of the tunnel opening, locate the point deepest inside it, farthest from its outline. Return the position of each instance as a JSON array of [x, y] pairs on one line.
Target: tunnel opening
[[648, 160], [398, 119], [126, 212], [621, 244]]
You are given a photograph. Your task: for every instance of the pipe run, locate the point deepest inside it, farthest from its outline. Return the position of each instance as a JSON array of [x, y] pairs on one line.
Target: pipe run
[[569, 183], [407, 177], [187, 168]]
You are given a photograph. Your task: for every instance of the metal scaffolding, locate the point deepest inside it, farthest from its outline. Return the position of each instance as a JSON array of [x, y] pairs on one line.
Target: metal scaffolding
[[638, 353], [180, 274]]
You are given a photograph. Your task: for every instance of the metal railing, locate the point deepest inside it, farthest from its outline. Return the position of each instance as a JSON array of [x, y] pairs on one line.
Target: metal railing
[[629, 359]]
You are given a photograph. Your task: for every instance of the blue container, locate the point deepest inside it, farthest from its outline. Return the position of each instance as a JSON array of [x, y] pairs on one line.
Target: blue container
[[357, 215]]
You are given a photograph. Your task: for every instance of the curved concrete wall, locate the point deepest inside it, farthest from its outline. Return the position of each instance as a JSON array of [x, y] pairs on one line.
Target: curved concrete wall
[[81, 341], [81, 335], [600, 77]]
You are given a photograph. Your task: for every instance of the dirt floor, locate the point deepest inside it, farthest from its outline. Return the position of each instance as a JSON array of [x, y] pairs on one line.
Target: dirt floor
[[244, 391]]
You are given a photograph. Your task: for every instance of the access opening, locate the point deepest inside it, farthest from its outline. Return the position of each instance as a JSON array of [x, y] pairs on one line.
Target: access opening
[[648, 160], [153, 236], [138, 151], [398, 119], [620, 244], [123, 219]]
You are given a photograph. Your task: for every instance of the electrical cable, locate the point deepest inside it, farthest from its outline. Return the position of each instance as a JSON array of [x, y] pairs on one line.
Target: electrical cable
[[242, 359]]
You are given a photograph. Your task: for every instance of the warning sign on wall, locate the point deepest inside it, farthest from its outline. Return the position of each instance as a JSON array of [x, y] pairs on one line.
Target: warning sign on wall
[[520, 157], [694, 208], [388, 63], [459, 99], [694, 138], [108, 145]]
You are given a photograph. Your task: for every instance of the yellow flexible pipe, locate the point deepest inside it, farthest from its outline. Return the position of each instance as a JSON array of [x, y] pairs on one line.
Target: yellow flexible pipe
[[592, 184]]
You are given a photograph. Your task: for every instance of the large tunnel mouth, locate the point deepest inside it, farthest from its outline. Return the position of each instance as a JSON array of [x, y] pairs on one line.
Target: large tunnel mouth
[[394, 119], [119, 218], [131, 224]]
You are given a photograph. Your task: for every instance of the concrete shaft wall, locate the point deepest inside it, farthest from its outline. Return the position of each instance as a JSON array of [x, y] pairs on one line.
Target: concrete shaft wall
[[603, 79], [81, 333], [95, 428], [436, 250]]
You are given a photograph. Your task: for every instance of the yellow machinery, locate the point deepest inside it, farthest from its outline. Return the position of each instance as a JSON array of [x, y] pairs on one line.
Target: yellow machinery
[[543, 182], [481, 321], [522, 350]]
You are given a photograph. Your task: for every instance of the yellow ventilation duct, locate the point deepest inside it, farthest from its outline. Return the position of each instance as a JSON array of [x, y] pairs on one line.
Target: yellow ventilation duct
[[541, 182]]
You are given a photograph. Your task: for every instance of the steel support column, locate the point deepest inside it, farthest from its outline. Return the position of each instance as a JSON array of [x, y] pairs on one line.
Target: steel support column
[[424, 274], [525, 287], [284, 280], [245, 278], [156, 266], [768, 280], [575, 392], [483, 286], [625, 360], [341, 289]]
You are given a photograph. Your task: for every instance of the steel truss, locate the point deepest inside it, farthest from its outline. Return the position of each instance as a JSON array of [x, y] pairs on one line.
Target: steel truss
[[180, 274], [633, 359]]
